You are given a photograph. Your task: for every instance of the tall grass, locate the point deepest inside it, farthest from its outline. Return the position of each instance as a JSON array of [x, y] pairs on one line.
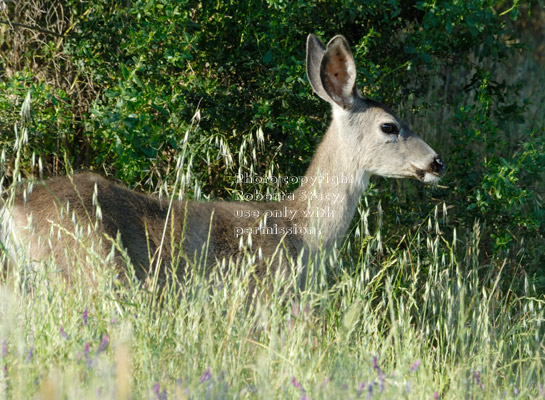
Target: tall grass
[[422, 318]]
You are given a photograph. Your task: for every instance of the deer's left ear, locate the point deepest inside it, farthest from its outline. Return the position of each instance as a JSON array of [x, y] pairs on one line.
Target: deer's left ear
[[338, 72], [315, 54]]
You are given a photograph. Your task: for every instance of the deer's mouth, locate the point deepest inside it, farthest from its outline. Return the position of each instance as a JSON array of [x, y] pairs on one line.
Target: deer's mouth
[[426, 176]]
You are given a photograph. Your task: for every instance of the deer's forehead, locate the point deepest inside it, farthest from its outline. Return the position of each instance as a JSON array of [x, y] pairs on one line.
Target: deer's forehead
[[370, 111], [382, 114]]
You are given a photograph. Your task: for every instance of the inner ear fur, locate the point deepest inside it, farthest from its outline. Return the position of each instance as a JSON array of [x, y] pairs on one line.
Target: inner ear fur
[[338, 72]]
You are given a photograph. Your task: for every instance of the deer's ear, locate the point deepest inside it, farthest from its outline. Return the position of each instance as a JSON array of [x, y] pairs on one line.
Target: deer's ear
[[315, 54], [338, 72]]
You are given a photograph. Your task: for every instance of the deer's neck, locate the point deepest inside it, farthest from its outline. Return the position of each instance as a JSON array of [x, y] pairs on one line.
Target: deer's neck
[[330, 192]]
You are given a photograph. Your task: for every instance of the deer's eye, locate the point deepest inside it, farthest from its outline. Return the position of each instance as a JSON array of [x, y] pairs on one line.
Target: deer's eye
[[390, 129]]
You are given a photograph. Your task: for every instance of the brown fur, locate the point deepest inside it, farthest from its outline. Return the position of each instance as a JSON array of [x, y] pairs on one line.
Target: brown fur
[[192, 226]]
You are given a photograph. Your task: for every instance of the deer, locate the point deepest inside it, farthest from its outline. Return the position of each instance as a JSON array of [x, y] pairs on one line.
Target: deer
[[364, 138]]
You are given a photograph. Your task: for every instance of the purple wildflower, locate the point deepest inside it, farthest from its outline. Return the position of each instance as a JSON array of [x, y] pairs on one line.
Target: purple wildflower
[[516, 392], [85, 315], [380, 374], [361, 388], [206, 376], [63, 333], [370, 390], [377, 368], [29, 354], [295, 383], [158, 394], [416, 365], [477, 377], [86, 351], [436, 396], [103, 344], [4, 348]]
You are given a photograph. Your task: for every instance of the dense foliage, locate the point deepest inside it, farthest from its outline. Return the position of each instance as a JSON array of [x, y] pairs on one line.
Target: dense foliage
[[114, 86]]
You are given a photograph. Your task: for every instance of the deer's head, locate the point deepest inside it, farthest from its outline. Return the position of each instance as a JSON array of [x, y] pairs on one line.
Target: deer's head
[[370, 134]]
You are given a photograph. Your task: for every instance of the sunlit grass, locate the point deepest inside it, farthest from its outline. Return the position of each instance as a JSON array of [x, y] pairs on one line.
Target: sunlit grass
[[426, 320]]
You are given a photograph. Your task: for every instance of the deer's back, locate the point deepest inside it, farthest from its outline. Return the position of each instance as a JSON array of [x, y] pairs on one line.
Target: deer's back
[[102, 210]]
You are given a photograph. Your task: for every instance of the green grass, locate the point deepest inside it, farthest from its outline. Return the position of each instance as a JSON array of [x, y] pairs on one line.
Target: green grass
[[420, 319]]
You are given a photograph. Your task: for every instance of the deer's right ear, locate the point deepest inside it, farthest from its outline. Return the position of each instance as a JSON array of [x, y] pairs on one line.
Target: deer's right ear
[[315, 54]]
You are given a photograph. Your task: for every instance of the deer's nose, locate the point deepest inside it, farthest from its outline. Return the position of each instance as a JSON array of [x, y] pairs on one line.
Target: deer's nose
[[437, 165]]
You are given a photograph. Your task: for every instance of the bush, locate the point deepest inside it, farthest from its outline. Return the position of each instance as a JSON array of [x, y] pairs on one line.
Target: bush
[[115, 86]]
